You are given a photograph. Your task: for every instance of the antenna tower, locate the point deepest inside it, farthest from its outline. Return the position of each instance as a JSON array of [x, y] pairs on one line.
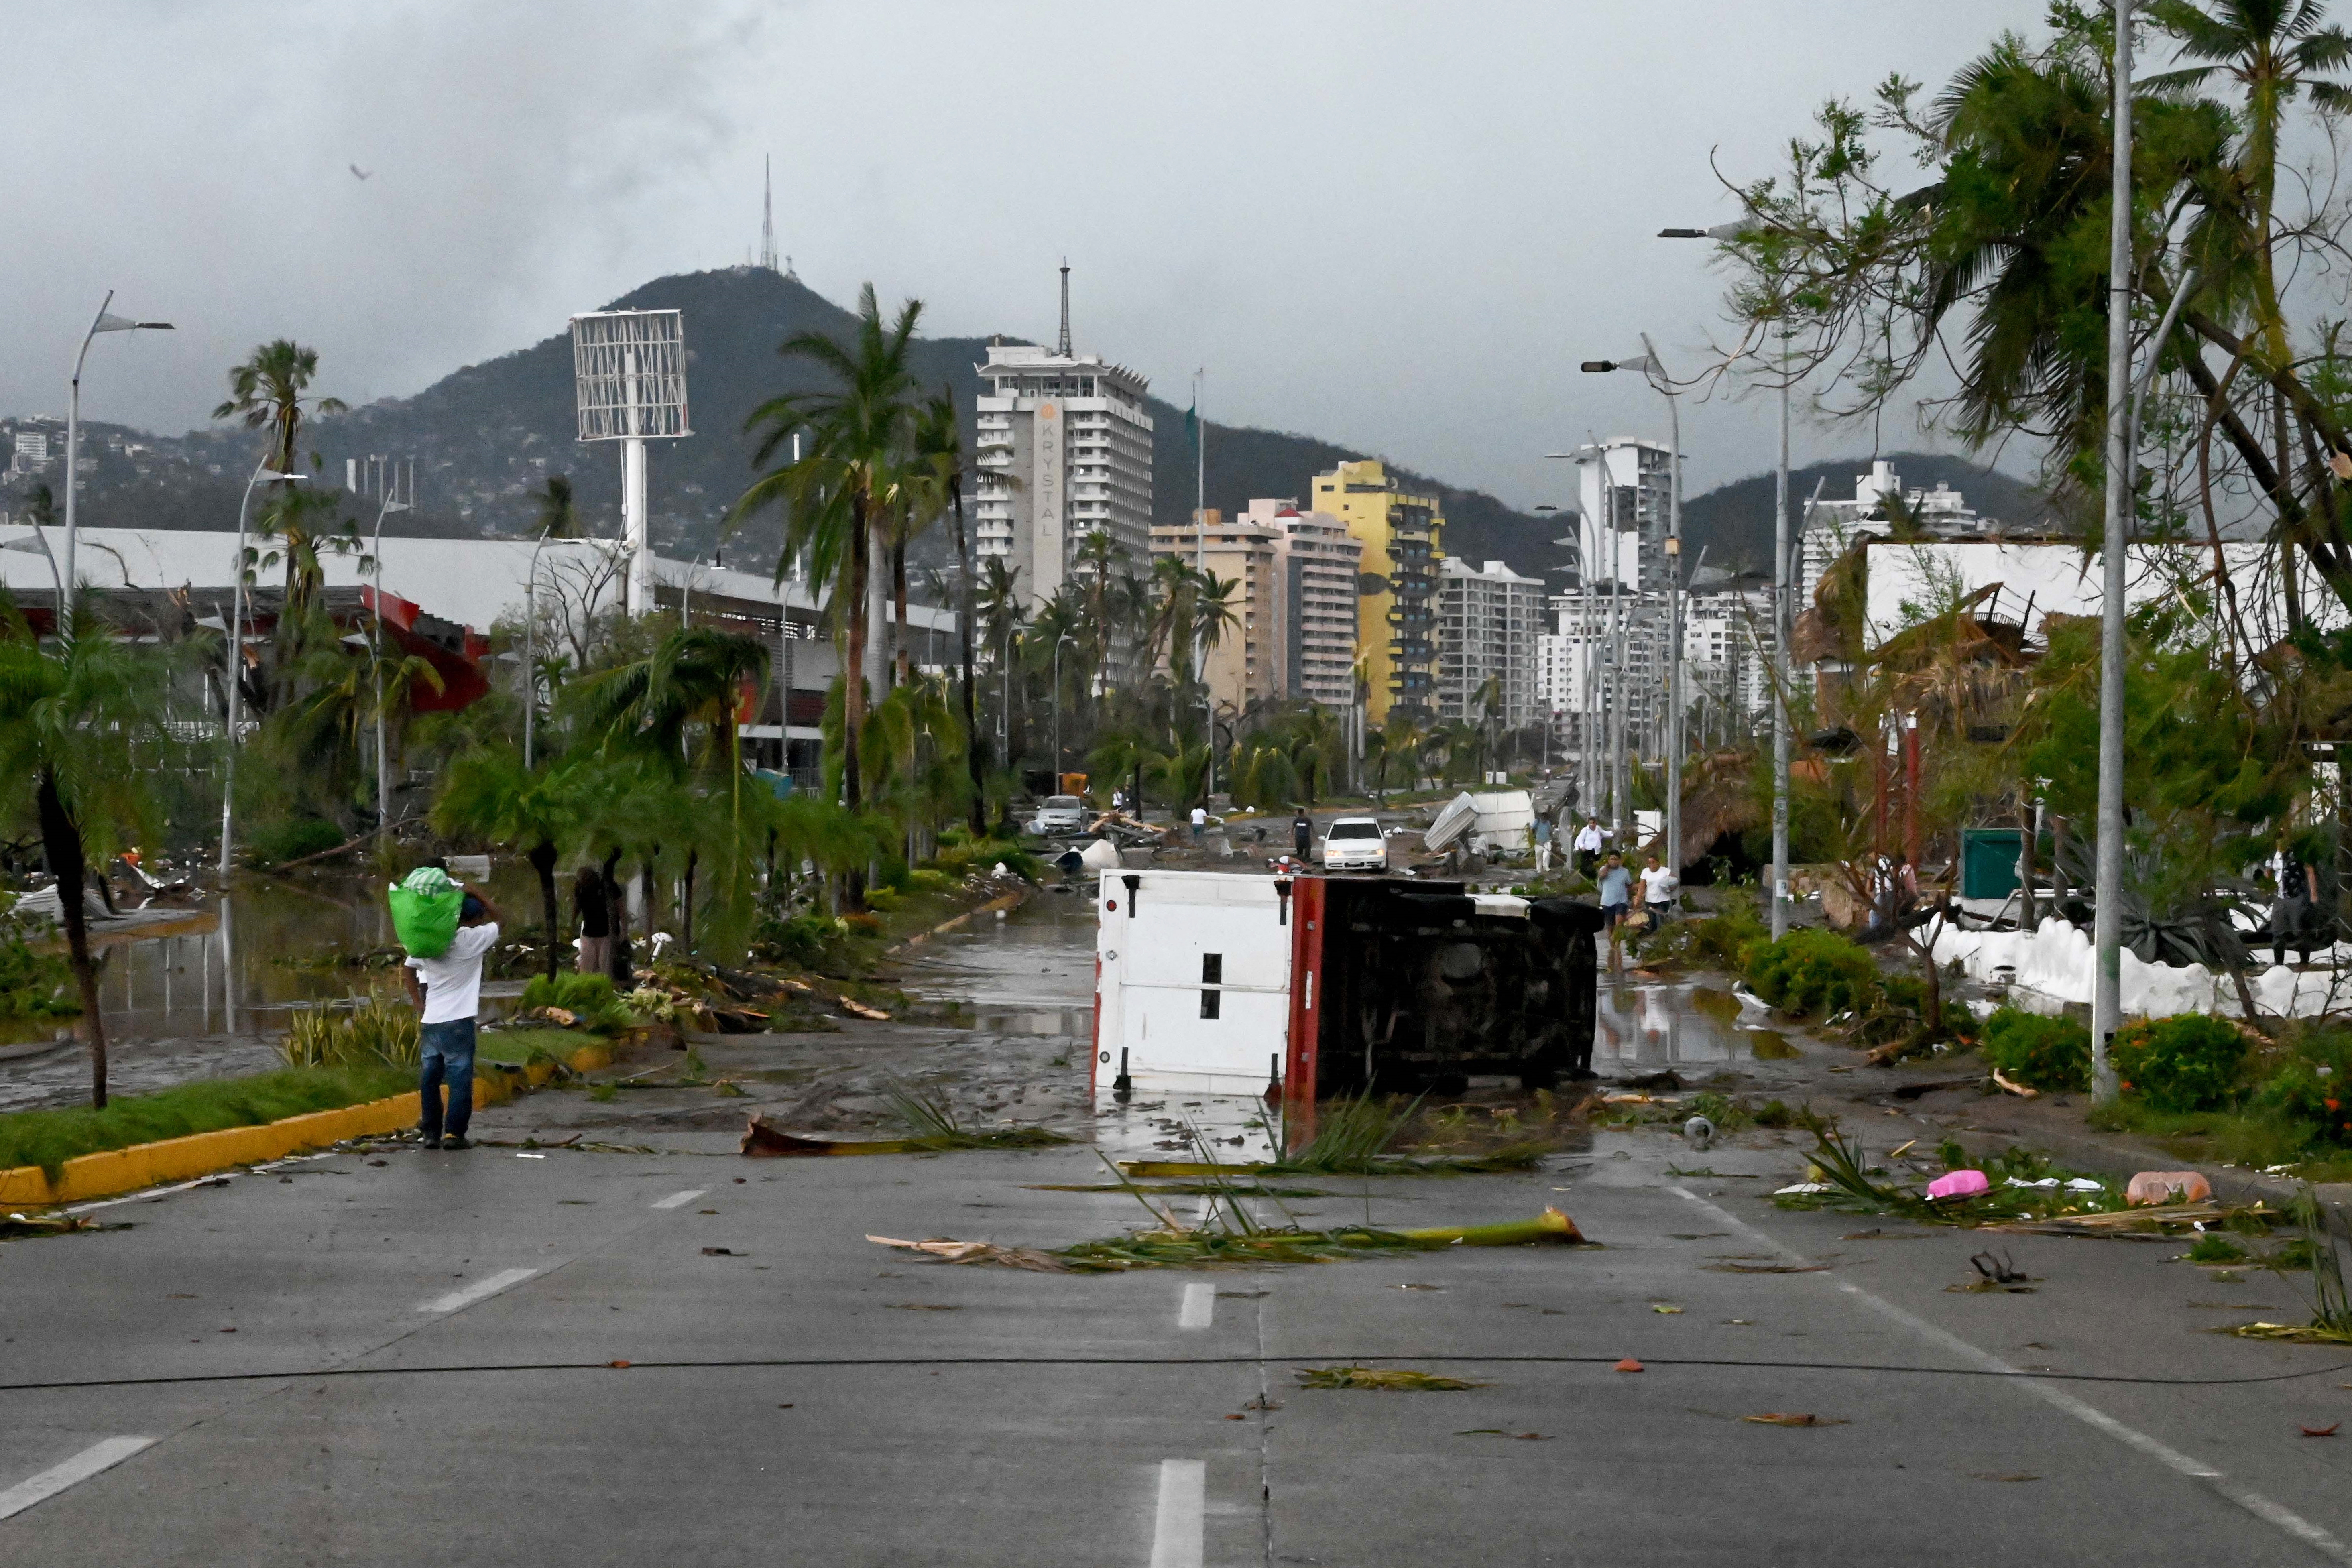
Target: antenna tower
[[768, 214], [1064, 348]]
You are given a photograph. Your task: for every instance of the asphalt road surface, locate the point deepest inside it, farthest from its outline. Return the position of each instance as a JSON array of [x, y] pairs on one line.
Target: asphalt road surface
[[398, 1357], [410, 1362]]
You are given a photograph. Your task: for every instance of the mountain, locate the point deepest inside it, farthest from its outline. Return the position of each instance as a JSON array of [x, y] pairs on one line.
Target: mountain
[[1734, 522], [485, 438]]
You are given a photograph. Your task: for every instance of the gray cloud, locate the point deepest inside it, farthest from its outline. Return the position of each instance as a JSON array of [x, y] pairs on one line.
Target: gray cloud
[[1398, 226]]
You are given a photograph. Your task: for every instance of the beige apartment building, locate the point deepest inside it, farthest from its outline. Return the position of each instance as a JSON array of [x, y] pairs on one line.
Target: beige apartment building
[[1297, 601]]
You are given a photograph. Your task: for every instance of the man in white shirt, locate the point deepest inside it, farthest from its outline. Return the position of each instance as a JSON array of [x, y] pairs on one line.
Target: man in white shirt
[[1660, 888], [447, 992], [1588, 847], [1200, 823]]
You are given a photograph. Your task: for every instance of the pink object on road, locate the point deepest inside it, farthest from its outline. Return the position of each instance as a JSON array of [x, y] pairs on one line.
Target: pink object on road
[[1958, 1184], [2168, 1186]]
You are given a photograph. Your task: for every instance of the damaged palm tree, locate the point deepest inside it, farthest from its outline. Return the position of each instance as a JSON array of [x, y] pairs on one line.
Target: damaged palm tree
[[2331, 1304]]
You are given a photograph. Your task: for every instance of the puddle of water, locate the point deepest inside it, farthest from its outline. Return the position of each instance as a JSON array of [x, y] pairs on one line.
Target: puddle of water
[[1645, 1027]]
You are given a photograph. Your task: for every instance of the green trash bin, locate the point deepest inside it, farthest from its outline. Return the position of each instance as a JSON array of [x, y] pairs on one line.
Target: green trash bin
[[1988, 861]]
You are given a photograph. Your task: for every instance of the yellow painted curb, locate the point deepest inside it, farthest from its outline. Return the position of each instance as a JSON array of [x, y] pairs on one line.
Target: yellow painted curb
[[119, 1171]]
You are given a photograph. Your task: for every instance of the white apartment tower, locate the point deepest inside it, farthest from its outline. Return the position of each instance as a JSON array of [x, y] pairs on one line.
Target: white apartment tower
[[1488, 624], [1064, 451]]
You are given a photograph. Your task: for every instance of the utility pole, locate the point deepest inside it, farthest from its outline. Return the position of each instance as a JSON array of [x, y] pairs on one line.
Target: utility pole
[[1781, 623], [1674, 824], [2107, 998]]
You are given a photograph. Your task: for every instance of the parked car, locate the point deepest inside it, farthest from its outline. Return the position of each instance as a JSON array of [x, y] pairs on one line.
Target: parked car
[[1060, 814], [1355, 844]]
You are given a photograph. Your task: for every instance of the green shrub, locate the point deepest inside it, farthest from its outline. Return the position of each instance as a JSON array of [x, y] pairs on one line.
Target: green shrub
[[376, 1034], [33, 983], [2038, 1052], [2179, 1064], [1717, 941], [884, 901], [959, 854], [1813, 972], [799, 940], [589, 998], [2216, 1249]]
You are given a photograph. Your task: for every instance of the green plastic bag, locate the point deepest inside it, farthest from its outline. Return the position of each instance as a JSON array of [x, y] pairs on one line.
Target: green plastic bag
[[424, 907]]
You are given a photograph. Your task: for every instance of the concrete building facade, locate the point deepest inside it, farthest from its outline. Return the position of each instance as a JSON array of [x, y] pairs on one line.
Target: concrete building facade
[[1296, 601], [1488, 619], [1401, 536], [1063, 450]]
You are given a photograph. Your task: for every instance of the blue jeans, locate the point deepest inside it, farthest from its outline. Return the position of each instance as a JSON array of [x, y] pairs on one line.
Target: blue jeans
[[448, 1051]]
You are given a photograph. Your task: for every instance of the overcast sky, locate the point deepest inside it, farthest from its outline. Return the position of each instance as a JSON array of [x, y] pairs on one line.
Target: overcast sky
[[1399, 227]]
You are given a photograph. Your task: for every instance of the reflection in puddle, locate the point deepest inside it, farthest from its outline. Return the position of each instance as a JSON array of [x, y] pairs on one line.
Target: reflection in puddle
[[1646, 1026]]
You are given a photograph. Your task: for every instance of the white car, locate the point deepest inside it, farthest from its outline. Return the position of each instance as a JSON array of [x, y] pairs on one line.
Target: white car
[[1060, 814], [1355, 844]]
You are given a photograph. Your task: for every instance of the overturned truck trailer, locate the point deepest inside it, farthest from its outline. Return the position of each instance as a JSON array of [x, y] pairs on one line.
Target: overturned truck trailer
[[1308, 987]]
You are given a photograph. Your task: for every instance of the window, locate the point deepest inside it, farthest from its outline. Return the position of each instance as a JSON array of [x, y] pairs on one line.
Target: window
[[1213, 969]]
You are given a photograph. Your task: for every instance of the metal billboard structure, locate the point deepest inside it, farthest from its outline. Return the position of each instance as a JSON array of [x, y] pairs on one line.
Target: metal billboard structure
[[628, 371]]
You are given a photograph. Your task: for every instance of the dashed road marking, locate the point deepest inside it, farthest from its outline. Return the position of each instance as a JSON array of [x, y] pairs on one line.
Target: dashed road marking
[[679, 1200], [480, 1289], [2164, 1454], [1200, 1307], [1176, 1525], [98, 1456]]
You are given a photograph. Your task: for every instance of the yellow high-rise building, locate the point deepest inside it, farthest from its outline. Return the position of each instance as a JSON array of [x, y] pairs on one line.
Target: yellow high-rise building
[[1396, 626]]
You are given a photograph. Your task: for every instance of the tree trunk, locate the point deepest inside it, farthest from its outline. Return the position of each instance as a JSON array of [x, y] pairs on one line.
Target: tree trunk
[[902, 657], [617, 907], [978, 818], [851, 606], [686, 933], [61, 845], [542, 861]]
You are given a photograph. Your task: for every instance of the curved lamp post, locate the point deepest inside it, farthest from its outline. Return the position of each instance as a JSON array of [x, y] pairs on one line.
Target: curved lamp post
[[102, 322], [382, 786]]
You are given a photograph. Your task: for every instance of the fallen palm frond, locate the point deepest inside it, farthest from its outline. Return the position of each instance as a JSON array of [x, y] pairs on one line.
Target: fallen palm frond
[[2331, 1306], [1244, 1189], [1383, 1379], [17, 1225], [936, 1125], [1173, 1247]]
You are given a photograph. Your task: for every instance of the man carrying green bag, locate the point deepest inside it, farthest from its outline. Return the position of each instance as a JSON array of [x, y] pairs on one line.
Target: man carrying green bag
[[448, 932]]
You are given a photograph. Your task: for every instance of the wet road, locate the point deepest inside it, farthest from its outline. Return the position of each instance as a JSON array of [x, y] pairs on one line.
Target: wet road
[[409, 1358]]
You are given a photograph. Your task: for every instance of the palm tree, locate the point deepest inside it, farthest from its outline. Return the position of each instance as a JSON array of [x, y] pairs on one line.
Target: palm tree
[[2276, 51], [558, 515], [1001, 613], [488, 794], [81, 723], [938, 448], [843, 488], [271, 391]]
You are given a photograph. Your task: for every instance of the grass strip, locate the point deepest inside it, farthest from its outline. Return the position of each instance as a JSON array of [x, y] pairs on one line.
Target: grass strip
[[49, 1138]]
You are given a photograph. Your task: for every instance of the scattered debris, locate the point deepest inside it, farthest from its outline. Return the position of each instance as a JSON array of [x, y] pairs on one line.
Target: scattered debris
[[17, 1225], [1769, 1267], [723, 1252], [1662, 1307], [2154, 1188], [2018, 1090], [2018, 1476], [2001, 1269], [857, 1009], [1498, 1432], [1792, 1418], [1389, 1380], [1958, 1184], [2321, 1431], [1629, 1365]]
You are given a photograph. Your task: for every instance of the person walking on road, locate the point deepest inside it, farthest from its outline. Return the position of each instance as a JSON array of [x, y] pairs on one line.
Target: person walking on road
[[447, 992], [1302, 834], [594, 906], [1588, 847], [2291, 909], [1660, 888], [1616, 895], [1200, 823], [1542, 831]]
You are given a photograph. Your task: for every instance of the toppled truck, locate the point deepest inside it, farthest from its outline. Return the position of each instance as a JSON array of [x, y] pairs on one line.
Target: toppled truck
[[1308, 987]]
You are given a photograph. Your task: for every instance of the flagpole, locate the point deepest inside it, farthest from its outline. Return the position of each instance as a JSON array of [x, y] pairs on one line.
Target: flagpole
[[1201, 566]]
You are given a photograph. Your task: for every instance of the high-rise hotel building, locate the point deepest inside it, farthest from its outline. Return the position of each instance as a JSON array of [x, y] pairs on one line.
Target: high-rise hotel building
[[1064, 451]]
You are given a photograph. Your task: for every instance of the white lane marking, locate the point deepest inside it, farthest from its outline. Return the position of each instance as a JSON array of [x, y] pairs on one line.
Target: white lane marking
[[80, 1468], [1176, 1527], [478, 1290], [679, 1200], [2164, 1454], [1200, 1308]]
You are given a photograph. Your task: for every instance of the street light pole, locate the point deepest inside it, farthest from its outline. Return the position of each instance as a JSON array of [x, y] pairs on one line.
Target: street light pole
[[2107, 996], [68, 585], [1673, 612], [383, 785], [235, 666], [1058, 641]]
